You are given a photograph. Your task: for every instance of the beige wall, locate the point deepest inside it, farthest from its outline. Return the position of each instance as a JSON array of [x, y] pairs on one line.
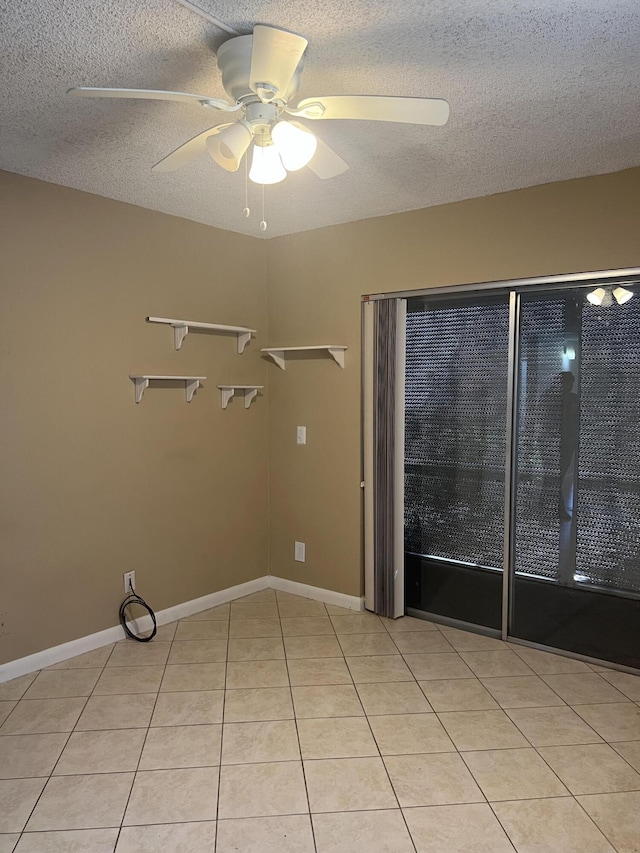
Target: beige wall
[[92, 485], [315, 280]]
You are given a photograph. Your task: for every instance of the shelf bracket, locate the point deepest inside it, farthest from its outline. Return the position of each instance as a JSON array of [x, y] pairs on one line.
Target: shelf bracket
[[278, 353], [278, 357], [337, 353], [249, 395], [181, 330], [227, 394], [228, 391], [179, 334], [141, 384], [190, 387], [243, 340]]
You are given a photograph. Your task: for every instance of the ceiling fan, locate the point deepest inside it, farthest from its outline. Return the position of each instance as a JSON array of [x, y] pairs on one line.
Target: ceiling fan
[[261, 74]]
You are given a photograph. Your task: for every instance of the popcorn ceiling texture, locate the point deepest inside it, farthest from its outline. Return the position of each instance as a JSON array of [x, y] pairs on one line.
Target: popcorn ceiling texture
[[540, 91]]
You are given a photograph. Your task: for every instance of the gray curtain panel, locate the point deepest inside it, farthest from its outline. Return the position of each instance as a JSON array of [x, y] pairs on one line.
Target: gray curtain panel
[[384, 438]]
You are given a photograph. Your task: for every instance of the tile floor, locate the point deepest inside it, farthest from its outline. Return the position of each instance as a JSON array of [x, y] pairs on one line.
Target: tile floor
[[277, 723]]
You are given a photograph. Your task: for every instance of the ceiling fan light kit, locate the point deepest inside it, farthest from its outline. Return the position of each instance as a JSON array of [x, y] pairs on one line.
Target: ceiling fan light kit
[[604, 296], [230, 145], [266, 165], [622, 295], [261, 74], [295, 145], [597, 296]]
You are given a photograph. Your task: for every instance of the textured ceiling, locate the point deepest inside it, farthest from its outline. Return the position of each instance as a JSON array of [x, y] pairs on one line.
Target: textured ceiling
[[540, 91]]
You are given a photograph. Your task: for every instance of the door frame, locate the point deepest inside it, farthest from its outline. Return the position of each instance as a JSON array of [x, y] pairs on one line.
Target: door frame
[[514, 288]]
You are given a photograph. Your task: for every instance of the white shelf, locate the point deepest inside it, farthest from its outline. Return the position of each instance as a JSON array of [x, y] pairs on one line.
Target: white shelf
[[228, 391], [277, 353], [181, 330], [141, 383]]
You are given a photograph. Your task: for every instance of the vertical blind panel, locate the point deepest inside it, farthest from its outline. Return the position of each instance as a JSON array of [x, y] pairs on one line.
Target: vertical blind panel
[[384, 465], [455, 416]]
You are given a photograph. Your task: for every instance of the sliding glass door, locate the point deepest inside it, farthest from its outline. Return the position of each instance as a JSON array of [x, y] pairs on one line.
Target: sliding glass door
[[577, 480], [455, 416], [527, 400]]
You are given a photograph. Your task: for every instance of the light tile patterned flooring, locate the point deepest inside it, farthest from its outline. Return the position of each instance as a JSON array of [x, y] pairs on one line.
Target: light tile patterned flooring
[[277, 723]]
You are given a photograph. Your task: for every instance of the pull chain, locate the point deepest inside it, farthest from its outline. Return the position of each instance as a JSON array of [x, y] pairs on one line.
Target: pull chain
[[246, 210], [263, 224]]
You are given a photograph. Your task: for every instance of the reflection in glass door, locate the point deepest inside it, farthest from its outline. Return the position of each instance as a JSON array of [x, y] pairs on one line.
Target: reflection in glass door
[[576, 544], [455, 427]]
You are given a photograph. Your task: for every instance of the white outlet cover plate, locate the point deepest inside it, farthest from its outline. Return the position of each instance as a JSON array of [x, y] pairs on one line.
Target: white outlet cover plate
[[299, 552], [301, 435]]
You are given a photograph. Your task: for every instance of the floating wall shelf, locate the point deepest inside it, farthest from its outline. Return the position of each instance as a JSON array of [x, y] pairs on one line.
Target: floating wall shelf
[[228, 391], [277, 353], [181, 330], [141, 382]]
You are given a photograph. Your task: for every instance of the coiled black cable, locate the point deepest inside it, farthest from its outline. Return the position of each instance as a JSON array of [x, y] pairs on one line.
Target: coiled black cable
[[133, 598]]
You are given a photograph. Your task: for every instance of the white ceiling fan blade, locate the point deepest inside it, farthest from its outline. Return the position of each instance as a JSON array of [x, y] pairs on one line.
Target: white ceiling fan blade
[[187, 151], [151, 95], [434, 111], [325, 163], [275, 55]]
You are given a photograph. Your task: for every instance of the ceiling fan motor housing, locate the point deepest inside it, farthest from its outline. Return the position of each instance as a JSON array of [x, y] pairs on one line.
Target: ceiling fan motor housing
[[234, 62], [262, 118]]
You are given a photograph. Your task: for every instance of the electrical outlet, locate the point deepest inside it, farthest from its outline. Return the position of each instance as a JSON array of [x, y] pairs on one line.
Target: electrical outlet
[[301, 435], [299, 552], [129, 578]]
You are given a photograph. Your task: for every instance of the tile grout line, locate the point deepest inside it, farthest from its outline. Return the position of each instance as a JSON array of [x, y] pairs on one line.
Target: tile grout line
[[570, 794], [503, 827], [23, 831], [460, 753], [222, 725], [601, 831], [413, 679], [384, 764], [457, 751], [144, 741], [295, 722]]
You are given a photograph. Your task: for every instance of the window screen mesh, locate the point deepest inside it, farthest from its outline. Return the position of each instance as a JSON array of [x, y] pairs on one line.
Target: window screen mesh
[[456, 380], [608, 530], [455, 405], [597, 345], [542, 344]]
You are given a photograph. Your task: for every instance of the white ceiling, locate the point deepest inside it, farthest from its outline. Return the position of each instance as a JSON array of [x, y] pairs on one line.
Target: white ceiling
[[540, 91]]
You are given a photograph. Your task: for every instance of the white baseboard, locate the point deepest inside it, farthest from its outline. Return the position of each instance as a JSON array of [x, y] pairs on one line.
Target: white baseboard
[[327, 596], [215, 599], [56, 654], [47, 657]]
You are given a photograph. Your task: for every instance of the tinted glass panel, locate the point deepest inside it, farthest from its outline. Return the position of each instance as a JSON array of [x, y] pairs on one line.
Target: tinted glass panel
[[456, 396], [577, 507]]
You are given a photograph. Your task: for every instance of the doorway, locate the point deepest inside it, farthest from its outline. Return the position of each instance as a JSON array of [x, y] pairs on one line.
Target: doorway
[[522, 465]]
